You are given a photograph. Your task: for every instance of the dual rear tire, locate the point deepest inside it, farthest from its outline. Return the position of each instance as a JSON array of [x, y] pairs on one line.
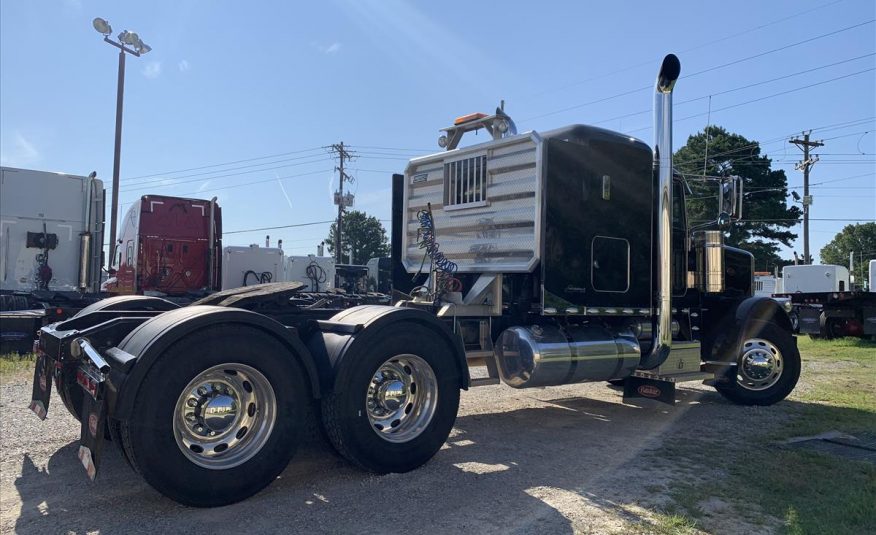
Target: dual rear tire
[[393, 407], [217, 417], [221, 412]]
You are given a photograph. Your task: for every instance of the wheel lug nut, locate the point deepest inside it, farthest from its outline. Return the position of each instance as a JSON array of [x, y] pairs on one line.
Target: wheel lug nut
[[190, 417], [191, 402], [202, 390]]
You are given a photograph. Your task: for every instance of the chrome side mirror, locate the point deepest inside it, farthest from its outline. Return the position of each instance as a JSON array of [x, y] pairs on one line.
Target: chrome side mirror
[[730, 200]]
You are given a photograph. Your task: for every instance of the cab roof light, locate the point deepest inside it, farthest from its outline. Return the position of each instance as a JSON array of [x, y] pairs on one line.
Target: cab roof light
[[468, 118]]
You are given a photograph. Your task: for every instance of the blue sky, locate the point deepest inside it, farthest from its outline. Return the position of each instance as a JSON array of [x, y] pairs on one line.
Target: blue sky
[[268, 84]]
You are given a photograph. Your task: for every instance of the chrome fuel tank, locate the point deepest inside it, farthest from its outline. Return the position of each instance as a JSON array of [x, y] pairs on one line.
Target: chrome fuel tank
[[552, 355]]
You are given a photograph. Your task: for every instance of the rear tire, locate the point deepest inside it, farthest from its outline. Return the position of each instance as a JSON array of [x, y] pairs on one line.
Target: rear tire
[[393, 408], [235, 382], [68, 390], [767, 366]]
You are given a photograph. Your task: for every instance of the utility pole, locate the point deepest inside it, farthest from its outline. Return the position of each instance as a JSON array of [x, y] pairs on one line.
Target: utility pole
[[340, 199], [804, 166]]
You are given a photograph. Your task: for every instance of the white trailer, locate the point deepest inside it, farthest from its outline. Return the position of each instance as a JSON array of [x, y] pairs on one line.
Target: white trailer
[[815, 278], [246, 266], [872, 278], [51, 231]]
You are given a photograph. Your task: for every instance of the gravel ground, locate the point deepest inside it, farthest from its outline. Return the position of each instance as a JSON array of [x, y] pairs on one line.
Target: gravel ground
[[556, 460]]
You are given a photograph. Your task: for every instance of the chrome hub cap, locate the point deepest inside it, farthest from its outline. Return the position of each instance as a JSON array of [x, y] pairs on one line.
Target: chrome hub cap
[[224, 416], [760, 365], [402, 398]]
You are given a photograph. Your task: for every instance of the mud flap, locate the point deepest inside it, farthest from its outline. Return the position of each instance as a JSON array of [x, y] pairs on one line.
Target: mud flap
[[641, 387], [42, 385], [93, 426]]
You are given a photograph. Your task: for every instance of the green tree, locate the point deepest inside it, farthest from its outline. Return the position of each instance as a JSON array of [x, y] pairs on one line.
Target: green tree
[[766, 217], [859, 239], [361, 234]]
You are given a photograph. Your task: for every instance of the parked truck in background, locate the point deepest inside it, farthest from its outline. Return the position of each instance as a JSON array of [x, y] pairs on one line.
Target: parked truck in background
[[51, 236], [318, 272], [380, 274], [826, 303], [544, 258], [168, 246], [51, 230]]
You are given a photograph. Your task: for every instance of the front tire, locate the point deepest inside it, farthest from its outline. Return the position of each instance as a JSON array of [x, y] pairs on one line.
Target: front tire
[[767, 366], [393, 408], [217, 417]]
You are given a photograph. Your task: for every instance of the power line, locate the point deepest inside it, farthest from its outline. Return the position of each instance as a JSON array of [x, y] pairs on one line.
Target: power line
[[312, 158], [811, 39], [740, 88], [780, 139], [294, 225], [728, 37], [710, 69], [210, 190], [766, 97], [858, 220], [224, 163], [359, 147], [140, 187]]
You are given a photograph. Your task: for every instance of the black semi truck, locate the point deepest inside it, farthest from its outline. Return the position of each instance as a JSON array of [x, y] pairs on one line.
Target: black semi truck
[[541, 258]]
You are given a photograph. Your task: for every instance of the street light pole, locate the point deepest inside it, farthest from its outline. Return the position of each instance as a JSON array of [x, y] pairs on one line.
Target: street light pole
[[138, 47], [117, 153]]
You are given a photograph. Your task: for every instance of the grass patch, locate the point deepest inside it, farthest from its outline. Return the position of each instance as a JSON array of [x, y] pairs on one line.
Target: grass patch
[[12, 363], [667, 524], [811, 492], [842, 375]]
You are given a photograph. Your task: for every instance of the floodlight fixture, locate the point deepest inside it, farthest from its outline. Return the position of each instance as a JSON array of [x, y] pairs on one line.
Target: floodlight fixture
[[102, 26]]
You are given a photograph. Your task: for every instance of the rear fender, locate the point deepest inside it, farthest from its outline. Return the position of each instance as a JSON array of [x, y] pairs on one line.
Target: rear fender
[[352, 331], [148, 342]]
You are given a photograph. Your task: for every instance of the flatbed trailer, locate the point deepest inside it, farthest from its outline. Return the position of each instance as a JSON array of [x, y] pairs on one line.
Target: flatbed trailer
[[564, 257], [834, 314]]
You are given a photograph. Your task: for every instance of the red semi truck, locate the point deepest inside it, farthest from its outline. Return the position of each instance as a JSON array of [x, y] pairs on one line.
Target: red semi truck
[[169, 246]]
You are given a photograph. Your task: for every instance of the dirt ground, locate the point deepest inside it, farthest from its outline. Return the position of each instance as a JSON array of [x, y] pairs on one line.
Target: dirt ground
[[570, 459]]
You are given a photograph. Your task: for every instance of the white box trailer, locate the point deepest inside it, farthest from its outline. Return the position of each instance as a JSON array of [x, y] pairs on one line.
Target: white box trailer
[[317, 272], [871, 281], [246, 266], [51, 231], [815, 279]]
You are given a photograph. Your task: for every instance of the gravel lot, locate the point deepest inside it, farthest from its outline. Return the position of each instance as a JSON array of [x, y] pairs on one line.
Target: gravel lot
[[555, 460]]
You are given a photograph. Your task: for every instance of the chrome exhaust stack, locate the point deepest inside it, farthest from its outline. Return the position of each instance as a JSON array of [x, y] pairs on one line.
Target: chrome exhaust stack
[[662, 337]]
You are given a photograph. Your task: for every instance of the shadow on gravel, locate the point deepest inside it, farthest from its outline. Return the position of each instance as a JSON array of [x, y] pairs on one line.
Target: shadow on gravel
[[523, 471]]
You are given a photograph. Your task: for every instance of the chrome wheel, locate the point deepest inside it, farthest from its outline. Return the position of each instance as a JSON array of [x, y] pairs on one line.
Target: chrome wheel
[[224, 416], [402, 398], [759, 365]]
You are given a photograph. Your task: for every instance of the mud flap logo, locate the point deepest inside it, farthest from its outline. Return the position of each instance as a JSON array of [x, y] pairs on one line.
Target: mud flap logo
[[648, 391], [92, 424]]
